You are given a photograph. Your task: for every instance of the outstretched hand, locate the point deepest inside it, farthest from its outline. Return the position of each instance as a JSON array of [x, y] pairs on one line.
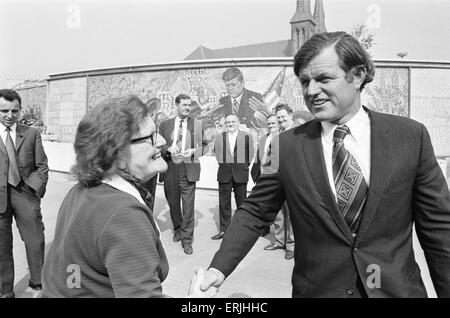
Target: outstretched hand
[[195, 289], [212, 278]]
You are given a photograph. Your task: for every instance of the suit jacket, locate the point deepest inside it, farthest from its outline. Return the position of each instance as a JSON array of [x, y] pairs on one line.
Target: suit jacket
[[113, 240], [233, 164], [31, 159], [406, 188], [256, 167], [245, 113], [194, 139]]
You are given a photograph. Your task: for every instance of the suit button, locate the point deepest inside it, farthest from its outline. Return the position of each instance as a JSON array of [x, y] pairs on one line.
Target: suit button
[[355, 250], [350, 292]]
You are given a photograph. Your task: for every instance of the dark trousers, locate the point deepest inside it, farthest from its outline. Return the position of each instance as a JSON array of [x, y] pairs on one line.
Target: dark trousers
[[240, 193], [182, 191], [25, 207]]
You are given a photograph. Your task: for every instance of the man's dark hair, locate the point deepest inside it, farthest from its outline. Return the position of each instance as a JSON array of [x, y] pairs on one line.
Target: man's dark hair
[[231, 73], [350, 52], [10, 95], [180, 97], [283, 106]]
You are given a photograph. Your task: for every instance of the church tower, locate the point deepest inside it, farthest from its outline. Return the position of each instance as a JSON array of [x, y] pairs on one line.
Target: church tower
[[319, 17], [302, 25]]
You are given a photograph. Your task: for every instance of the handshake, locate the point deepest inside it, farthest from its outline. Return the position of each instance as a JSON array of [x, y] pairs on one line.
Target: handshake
[[205, 284]]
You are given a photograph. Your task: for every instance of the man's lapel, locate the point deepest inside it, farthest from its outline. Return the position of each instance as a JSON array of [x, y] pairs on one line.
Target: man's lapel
[[171, 128], [20, 136], [3, 147], [380, 158], [244, 103], [313, 152]]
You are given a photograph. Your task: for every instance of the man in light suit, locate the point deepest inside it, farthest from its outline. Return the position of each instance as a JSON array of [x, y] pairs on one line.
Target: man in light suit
[[234, 151], [22, 185], [356, 182], [185, 144]]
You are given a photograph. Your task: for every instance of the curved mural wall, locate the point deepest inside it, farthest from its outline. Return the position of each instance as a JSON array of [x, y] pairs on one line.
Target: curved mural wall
[[420, 90]]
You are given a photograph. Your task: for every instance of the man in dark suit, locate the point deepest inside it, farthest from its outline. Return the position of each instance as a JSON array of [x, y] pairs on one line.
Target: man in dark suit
[[23, 181], [234, 151], [356, 182], [185, 144], [246, 104]]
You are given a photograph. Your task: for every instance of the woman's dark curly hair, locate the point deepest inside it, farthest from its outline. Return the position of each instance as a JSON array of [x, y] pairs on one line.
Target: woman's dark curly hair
[[103, 135]]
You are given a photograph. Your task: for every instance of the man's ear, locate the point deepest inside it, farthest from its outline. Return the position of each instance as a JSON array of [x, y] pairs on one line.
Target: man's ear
[[358, 75]]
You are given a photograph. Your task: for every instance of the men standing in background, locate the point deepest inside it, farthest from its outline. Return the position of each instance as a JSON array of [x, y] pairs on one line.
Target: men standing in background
[[264, 147], [284, 238], [22, 185], [234, 151], [185, 144]]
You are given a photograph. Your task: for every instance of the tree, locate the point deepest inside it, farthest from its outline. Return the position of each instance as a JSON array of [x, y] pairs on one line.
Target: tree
[[364, 36]]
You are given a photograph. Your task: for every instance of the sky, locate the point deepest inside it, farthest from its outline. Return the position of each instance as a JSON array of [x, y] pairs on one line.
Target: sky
[[39, 38]]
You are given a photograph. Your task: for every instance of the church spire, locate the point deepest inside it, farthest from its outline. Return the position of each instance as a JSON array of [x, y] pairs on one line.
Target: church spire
[[303, 12], [303, 25], [319, 16]]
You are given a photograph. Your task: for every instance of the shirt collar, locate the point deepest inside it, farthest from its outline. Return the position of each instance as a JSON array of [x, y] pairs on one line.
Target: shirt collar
[[121, 184], [178, 119], [234, 133], [355, 124], [13, 128], [238, 98]]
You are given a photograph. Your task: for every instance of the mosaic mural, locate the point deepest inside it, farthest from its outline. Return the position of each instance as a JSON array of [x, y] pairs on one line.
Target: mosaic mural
[[69, 99]]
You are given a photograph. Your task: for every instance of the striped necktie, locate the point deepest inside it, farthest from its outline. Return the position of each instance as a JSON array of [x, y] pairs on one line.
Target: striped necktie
[[351, 187], [13, 169], [235, 107], [180, 136]]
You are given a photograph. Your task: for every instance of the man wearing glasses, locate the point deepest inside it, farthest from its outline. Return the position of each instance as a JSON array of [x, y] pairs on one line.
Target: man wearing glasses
[[185, 144]]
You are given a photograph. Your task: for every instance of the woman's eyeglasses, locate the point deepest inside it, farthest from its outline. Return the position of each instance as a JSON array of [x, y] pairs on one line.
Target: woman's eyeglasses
[[151, 139]]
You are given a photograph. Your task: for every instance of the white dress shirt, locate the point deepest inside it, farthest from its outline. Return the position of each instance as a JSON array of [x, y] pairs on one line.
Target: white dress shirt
[[12, 133], [268, 141], [232, 136], [175, 133], [357, 142]]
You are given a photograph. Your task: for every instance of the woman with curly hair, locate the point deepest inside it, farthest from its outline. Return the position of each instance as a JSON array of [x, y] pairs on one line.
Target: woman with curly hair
[[107, 243]]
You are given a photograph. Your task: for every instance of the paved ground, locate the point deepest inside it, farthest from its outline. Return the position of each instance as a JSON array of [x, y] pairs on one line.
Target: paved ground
[[264, 274]]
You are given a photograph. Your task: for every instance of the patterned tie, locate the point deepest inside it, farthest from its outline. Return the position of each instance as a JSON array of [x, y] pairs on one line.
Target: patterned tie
[[180, 136], [13, 170], [235, 107], [351, 187]]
